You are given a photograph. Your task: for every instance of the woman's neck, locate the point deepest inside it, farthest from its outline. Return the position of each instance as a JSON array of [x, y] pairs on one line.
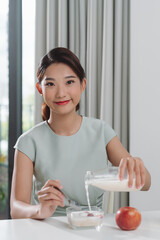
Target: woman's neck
[[65, 125]]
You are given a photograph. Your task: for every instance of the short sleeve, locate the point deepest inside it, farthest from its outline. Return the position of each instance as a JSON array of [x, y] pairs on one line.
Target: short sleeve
[[109, 133], [26, 145]]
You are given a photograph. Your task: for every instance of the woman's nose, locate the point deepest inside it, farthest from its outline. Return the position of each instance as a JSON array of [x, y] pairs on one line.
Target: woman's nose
[[61, 92]]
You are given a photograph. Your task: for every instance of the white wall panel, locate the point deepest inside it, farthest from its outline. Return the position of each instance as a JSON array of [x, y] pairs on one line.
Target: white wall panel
[[145, 96]]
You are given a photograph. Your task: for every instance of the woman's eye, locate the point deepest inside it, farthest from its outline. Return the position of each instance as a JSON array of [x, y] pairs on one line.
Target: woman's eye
[[70, 82], [49, 84]]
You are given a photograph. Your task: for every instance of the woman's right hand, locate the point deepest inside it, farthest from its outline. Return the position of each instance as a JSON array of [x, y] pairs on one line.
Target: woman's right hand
[[49, 198]]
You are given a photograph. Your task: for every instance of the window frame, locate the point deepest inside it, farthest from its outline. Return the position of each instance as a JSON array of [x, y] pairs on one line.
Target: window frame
[[15, 84]]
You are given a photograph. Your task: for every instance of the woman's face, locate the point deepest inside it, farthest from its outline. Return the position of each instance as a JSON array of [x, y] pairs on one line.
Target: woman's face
[[61, 88]]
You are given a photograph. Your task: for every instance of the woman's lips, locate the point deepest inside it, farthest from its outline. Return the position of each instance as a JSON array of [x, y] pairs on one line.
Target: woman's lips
[[62, 102]]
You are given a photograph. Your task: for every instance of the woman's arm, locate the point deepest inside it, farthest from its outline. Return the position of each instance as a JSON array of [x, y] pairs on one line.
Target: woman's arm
[[22, 188], [49, 197], [119, 156]]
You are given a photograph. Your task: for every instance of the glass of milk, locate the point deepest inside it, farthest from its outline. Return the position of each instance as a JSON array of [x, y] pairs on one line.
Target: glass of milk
[[108, 180]]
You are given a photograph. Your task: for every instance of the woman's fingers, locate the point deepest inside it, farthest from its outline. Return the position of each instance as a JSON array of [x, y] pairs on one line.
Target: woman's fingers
[[122, 168], [48, 200], [142, 173], [53, 183], [137, 173], [130, 167], [143, 176], [49, 196], [50, 192], [52, 198], [135, 167], [54, 203]]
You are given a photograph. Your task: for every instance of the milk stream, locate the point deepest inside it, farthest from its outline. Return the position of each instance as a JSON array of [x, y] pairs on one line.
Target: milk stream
[[87, 194]]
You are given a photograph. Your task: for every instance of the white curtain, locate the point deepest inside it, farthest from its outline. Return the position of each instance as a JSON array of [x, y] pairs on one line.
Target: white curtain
[[97, 31]]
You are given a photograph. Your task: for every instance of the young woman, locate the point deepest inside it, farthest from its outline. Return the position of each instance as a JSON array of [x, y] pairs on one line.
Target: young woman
[[55, 154]]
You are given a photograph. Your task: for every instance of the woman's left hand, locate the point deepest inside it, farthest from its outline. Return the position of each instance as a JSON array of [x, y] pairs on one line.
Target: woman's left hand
[[134, 166]]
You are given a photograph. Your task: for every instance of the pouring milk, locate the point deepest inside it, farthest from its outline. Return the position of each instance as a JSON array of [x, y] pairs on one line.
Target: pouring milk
[[108, 180]]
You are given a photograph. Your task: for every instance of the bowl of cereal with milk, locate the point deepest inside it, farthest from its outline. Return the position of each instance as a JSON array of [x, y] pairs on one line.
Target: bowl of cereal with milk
[[85, 218]]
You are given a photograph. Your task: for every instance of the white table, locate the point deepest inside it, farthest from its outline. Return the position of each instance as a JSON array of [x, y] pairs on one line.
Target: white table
[[58, 228]]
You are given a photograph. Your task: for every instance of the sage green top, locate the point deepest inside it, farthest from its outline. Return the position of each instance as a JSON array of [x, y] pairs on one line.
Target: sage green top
[[67, 158]]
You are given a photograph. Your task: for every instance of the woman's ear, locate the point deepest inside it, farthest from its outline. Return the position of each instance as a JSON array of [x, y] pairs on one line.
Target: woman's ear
[[83, 84], [38, 86]]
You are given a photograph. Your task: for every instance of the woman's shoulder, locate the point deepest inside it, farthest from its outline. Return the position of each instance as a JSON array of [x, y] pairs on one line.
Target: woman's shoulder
[[37, 129], [98, 126], [27, 142], [95, 122]]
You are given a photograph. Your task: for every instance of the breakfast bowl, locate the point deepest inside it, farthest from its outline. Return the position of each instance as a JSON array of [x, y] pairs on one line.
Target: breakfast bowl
[[85, 218]]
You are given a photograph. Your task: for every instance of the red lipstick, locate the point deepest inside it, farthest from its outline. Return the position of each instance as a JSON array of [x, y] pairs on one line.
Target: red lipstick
[[62, 102]]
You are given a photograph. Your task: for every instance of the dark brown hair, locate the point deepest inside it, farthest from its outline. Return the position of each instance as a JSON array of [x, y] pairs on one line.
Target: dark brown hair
[[59, 55]]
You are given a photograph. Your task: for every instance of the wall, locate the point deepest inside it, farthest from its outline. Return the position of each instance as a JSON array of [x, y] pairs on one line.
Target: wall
[[145, 95]]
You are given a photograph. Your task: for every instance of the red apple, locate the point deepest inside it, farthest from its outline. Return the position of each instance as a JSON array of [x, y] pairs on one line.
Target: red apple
[[128, 218]]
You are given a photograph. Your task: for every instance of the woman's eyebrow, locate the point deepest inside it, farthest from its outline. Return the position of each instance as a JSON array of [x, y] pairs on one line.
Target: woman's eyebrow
[[49, 78], [53, 79], [70, 77]]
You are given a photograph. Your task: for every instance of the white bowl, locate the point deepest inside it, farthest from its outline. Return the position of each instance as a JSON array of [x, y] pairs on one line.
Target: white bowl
[[82, 218]]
